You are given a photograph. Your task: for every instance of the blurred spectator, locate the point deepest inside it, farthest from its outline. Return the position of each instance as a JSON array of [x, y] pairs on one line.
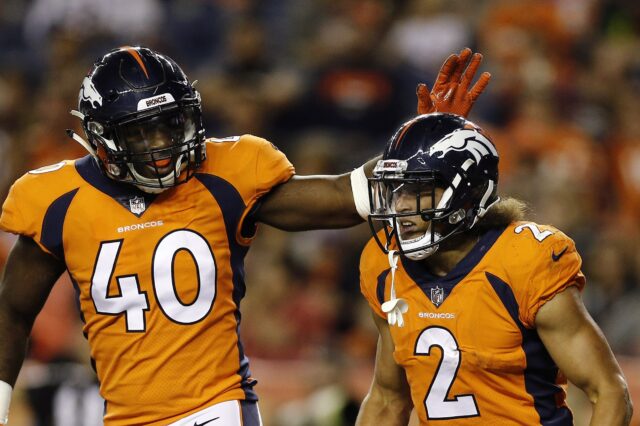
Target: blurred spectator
[[245, 89], [351, 88], [135, 20], [426, 31], [625, 154]]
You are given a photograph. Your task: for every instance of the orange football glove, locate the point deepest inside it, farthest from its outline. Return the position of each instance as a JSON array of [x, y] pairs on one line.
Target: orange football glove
[[451, 91]]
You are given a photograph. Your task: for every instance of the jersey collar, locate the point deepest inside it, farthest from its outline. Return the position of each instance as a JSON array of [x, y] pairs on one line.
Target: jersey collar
[[418, 272]]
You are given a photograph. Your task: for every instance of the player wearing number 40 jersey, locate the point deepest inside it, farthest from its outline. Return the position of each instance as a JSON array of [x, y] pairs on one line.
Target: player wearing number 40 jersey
[[153, 227], [151, 276], [479, 312]]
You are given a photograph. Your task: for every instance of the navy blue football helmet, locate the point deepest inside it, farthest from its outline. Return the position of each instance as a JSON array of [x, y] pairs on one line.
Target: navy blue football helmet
[[142, 119], [432, 155]]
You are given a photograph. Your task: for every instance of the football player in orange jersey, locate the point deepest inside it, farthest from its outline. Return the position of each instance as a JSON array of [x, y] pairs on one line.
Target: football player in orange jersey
[[479, 311], [153, 227]]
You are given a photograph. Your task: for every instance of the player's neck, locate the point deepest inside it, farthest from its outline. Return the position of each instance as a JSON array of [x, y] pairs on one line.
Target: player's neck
[[447, 257]]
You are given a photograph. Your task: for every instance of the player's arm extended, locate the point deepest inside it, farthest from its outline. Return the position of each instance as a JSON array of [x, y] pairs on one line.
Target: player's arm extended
[[321, 202], [580, 350], [316, 202], [28, 277], [389, 400]]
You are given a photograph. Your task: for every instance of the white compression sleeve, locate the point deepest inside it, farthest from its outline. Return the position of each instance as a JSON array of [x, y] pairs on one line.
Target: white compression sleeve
[[360, 189], [5, 400]]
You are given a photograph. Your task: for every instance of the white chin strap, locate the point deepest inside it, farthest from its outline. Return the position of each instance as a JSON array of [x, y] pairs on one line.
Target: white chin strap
[[167, 181], [408, 245]]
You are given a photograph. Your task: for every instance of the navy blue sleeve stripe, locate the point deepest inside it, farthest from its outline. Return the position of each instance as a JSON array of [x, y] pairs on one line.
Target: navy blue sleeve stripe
[[541, 371], [53, 224], [232, 207]]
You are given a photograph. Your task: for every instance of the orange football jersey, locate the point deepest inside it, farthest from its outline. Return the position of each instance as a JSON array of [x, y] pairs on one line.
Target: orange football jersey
[[469, 346], [159, 277]]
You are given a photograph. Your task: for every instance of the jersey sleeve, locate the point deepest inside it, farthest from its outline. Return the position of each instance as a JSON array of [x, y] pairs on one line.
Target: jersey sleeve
[[369, 286], [12, 219], [25, 209], [37, 203], [555, 267], [272, 167]]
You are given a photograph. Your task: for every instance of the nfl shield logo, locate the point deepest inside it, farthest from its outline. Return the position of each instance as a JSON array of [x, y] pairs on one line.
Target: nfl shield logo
[[137, 205], [437, 296]]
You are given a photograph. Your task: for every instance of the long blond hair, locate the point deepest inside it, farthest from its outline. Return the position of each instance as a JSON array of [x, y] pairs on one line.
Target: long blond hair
[[504, 212]]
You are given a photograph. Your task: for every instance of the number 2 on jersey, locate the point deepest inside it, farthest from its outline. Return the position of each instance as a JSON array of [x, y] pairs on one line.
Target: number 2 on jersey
[[537, 233], [134, 303], [436, 402]]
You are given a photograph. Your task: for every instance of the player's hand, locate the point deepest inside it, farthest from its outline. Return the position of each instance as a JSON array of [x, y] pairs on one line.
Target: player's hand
[[451, 91]]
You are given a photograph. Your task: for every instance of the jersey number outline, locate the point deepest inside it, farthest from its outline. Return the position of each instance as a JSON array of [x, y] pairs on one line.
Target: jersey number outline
[[537, 233], [134, 303], [48, 169], [436, 404]]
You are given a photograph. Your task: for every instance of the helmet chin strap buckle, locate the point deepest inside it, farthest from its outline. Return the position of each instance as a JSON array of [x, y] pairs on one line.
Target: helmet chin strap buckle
[[114, 169], [457, 216]]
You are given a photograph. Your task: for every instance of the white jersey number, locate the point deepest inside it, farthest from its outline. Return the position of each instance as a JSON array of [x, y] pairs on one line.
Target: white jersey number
[[134, 303], [436, 403], [537, 233]]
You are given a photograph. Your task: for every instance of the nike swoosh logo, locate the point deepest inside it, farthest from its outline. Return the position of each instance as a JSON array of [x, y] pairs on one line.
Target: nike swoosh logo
[[208, 421], [557, 257]]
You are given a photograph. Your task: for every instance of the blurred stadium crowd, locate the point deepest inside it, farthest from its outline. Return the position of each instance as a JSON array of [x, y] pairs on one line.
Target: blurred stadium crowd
[[328, 81]]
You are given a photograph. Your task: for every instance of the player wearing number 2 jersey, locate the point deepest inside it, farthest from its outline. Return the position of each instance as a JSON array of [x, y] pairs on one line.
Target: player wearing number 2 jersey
[[153, 227], [479, 312]]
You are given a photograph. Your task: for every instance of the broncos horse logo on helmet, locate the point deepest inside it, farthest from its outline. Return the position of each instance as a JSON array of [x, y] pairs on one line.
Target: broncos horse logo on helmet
[[464, 140], [433, 151], [89, 93], [142, 119]]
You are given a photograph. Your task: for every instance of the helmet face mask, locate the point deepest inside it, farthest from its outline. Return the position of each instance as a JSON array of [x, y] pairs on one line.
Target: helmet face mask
[[143, 119], [437, 177], [152, 150], [413, 212]]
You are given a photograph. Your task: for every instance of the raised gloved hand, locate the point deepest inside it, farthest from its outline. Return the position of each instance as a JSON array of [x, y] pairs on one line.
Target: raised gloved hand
[[451, 91]]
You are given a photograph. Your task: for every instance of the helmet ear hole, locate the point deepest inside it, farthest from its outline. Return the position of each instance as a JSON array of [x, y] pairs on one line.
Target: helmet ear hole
[[109, 166]]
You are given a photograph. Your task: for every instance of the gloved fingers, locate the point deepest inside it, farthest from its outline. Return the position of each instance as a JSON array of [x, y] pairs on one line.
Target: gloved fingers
[[447, 70], [425, 103], [471, 70], [463, 60], [479, 87]]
